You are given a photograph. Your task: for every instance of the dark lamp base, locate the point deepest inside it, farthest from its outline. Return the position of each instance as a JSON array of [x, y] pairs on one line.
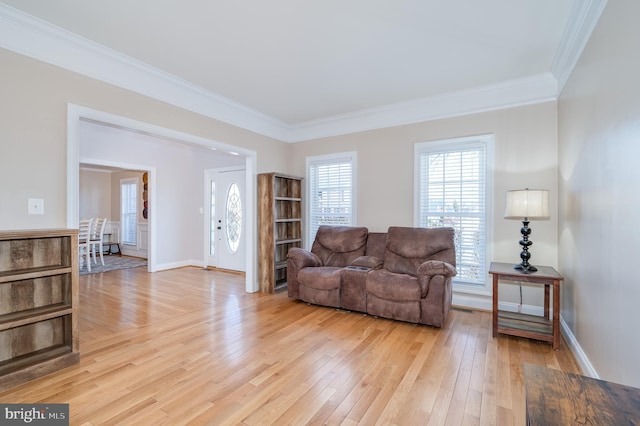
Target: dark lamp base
[[526, 269], [524, 266]]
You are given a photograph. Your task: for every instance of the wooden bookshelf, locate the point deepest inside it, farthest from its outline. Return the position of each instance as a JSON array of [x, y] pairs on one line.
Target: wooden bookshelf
[[279, 227], [38, 303]]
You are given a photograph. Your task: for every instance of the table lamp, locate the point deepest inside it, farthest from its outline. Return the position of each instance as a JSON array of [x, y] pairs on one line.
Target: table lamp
[[527, 204]]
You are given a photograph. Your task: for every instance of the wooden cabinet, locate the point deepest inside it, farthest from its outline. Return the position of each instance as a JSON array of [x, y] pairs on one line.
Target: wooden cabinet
[[38, 303], [279, 227]]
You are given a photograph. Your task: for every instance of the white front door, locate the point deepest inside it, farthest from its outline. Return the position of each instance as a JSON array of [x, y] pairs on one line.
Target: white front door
[[226, 219]]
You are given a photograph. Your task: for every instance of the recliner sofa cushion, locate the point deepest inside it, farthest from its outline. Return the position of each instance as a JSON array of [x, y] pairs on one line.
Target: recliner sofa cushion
[[403, 311], [408, 248], [321, 277], [353, 293], [395, 296], [390, 286], [339, 245], [376, 243], [369, 262], [320, 285]]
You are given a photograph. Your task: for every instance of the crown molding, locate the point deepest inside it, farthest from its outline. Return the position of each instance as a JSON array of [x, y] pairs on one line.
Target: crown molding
[[508, 94], [33, 37], [583, 19]]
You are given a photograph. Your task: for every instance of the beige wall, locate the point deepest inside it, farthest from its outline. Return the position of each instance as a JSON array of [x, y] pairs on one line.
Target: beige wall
[[599, 147], [33, 134], [95, 194], [525, 156]]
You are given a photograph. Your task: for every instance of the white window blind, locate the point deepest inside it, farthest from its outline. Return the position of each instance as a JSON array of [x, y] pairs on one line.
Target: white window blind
[[129, 195], [331, 192], [452, 192]]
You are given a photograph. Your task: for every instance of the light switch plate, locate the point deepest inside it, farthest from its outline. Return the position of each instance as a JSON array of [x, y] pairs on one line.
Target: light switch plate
[[36, 206]]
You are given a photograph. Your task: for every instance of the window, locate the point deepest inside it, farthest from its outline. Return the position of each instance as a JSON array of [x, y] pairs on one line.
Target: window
[[331, 189], [452, 190], [128, 207]]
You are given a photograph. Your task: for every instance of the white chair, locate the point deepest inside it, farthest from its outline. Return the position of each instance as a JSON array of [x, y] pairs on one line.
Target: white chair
[[97, 239], [84, 242]]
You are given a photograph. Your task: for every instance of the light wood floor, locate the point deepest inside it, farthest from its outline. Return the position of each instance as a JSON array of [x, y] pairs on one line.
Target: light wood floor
[[189, 346]]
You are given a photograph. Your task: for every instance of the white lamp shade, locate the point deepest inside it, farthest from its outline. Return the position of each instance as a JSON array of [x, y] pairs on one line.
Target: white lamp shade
[[529, 203]]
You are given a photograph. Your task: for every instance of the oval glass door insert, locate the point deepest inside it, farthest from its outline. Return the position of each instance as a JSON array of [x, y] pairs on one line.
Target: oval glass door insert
[[234, 217]]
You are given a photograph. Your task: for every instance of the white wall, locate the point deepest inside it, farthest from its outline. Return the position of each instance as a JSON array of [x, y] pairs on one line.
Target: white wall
[[179, 183], [599, 147]]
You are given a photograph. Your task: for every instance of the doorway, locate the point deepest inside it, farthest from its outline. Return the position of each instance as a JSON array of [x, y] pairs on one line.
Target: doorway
[[225, 218], [163, 252], [100, 196]]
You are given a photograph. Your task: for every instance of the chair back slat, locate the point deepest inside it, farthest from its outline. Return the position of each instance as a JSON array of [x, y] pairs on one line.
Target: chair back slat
[[84, 233]]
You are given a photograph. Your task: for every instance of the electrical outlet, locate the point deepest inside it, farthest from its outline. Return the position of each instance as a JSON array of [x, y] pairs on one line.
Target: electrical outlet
[[36, 206]]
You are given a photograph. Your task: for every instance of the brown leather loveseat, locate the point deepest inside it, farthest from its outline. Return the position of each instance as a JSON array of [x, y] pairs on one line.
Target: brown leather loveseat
[[404, 274]]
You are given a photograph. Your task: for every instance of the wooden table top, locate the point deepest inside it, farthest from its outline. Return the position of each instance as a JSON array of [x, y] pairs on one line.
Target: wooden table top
[[558, 398], [507, 270]]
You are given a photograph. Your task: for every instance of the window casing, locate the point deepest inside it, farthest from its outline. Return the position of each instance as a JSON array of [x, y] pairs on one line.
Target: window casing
[[128, 208], [453, 188], [331, 184]]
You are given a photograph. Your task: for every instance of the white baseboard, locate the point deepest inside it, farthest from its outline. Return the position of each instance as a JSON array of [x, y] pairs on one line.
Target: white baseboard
[[484, 303], [179, 264], [129, 250], [471, 301], [576, 350]]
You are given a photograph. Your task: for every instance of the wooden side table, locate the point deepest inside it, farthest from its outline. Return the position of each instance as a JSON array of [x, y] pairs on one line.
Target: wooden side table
[[522, 325], [554, 397]]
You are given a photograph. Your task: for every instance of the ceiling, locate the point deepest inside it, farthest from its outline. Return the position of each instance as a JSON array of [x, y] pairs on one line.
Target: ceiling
[[293, 63]]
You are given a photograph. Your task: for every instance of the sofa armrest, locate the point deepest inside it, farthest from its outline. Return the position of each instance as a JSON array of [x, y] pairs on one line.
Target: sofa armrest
[[298, 259], [371, 262], [302, 258], [437, 267], [431, 269]]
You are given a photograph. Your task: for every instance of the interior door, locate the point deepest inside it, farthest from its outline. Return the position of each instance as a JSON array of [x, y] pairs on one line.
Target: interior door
[[226, 219]]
